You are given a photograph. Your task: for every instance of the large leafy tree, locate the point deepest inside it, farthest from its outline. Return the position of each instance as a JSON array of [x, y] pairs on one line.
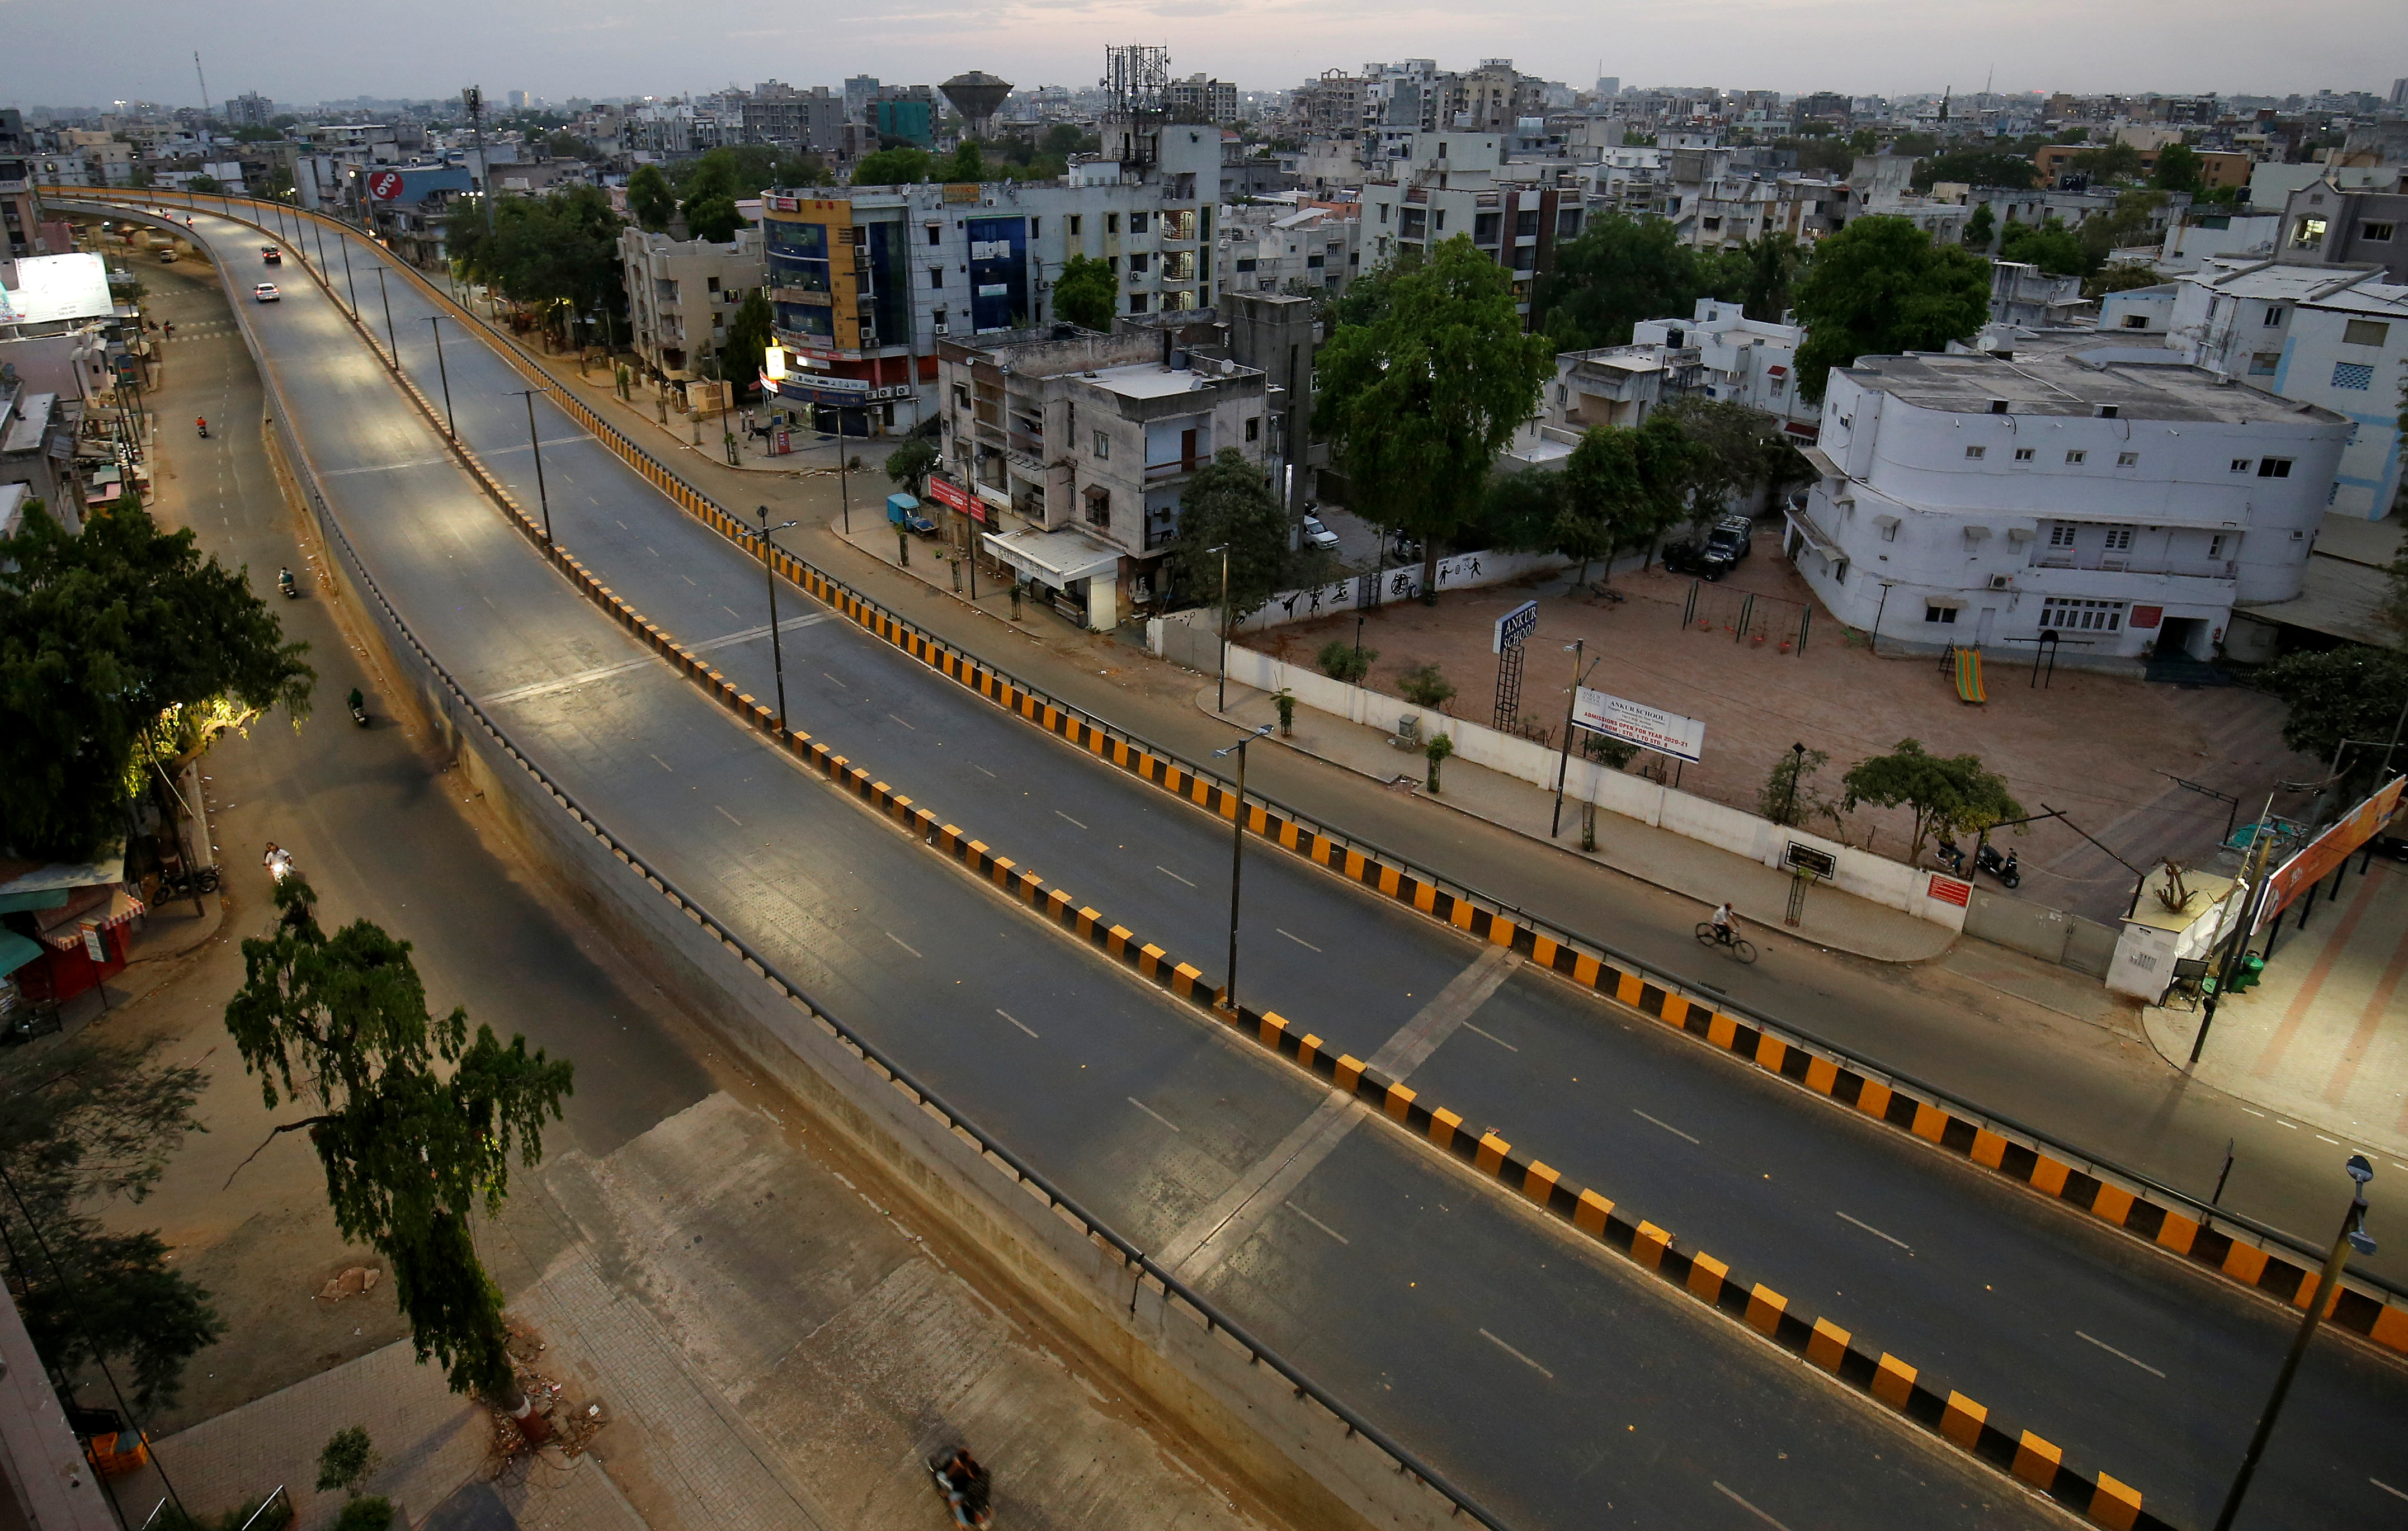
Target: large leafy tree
[[2109, 162], [1767, 272], [712, 187], [895, 168], [1981, 229], [910, 463], [1623, 488], [79, 1124], [2354, 691], [1419, 401], [119, 645], [2049, 245], [749, 334], [1229, 502], [2104, 233], [2179, 168], [1879, 287], [415, 1121], [1735, 450], [1978, 167], [1948, 795], [1621, 270], [557, 255], [1086, 293], [651, 199]]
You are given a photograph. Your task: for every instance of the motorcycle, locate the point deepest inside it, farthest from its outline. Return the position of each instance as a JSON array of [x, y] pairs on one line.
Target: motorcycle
[[203, 428], [1953, 853], [963, 1482], [284, 582], [278, 863], [359, 708], [2006, 868]]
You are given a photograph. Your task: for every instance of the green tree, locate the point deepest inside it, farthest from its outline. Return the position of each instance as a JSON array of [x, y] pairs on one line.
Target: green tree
[[2050, 246], [2354, 691], [347, 1462], [1768, 270], [1977, 168], [1619, 271], [83, 1123], [1623, 489], [415, 1123], [715, 218], [1518, 510], [894, 168], [749, 334], [564, 144], [1064, 139], [1086, 293], [2130, 224], [966, 163], [204, 184], [1789, 796], [557, 255], [118, 646], [1979, 229], [1229, 501], [1948, 795], [1342, 661], [1735, 450], [1426, 685], [1419, 401], [2120, 276], [909, 464], [1880, 286], [2179, 168], [2109, 162], [650, 198]]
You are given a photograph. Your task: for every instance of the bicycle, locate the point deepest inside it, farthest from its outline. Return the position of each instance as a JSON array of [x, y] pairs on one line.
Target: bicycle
[[1711, 933]]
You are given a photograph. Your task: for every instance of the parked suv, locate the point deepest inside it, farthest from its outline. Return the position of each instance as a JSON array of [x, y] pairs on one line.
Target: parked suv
[[1715, 554]]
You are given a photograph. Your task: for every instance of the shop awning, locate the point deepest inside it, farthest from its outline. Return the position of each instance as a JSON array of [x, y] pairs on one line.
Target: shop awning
[[1822, 461], [1054, 558], [16, 951], [118, 907]]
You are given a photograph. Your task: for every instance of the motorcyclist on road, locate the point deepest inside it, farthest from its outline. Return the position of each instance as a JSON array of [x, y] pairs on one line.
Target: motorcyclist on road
[[966, 1488], [201, 424]]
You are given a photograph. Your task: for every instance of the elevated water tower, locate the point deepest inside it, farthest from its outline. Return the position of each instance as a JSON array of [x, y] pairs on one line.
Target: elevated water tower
[[978, 96]]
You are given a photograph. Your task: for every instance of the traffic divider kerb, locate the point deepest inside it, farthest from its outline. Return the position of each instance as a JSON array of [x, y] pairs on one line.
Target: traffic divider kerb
[[2239, 1251], [1955, 1418]]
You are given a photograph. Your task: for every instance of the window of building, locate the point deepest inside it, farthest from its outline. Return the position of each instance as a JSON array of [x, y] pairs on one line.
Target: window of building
[[1112, 223], [2375, 233], [1077, 223], [1525, 223], [2136, 322], [1137, 302], [2265, 363], [1975, 454], [710, 285], [2274, 317], [2076, 457], [1437, 220], [961, 397], [2240, 465], [1136, 223], [2024, 454], [1384, 212], [1137, 262], [2216, 546], [2065, 614], [2353, 375], [1710, 224], [2273, 467], [1112, 265], [1246, 264], [2120, 539], [935, 276], [1934, 611], [1486, 228], [2309, 233], [2127, 459], [936, 234], [1777, 387], [2060, 536], [1035, 228], [939, 317], [1099, 506], [1313, 263], [2365, 332], [1255, 428]]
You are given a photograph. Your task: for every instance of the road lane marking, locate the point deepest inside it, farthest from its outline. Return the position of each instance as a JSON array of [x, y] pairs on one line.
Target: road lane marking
[[1517, 1355], [906, 724], [2280, 1122], [980, 769], [730, 817], [1152, 1112], [841, 683], [732, 611], [1678, 1133], [1750, 1508], [1316, 1223], [603, 672], [1500, 1042], [1298, 939], [664, 765], [1008, 1016], [1060, 814], [1169, 873], [382, 468], [2121, 1357], [904, 944], [1878, 1234], [2334, 1142], [2387, 1488], [1435, 1020]]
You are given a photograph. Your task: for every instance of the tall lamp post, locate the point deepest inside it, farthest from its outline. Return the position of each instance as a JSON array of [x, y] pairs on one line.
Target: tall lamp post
[[1237, 860], [536, 445], [1222, 703], [343, 243], [770, 572], [1577, 649], [386, 299], [2353, 1236], [445, 373]]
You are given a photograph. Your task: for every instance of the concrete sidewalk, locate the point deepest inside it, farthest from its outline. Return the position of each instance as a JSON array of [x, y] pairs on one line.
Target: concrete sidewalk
[[2323, 1039]]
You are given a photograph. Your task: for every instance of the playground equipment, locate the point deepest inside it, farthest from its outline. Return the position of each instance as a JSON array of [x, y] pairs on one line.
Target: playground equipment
[[1964, 664]]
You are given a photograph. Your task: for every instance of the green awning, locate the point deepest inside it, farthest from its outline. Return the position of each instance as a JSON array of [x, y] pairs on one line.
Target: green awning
[[40, 898], [15, 951]]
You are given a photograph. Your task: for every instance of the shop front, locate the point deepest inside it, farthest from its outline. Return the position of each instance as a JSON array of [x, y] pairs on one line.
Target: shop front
[[1077, 576]]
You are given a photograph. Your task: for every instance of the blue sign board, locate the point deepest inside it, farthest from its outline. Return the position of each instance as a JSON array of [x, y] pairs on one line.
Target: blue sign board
[[1513, 627]]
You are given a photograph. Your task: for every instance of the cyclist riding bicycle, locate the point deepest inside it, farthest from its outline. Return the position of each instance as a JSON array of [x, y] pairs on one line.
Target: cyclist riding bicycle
[[1726, 923]]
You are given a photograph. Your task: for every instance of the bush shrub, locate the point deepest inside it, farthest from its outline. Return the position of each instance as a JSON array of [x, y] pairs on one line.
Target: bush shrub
[[1342, 661], [1423, 686], [373, 1512]]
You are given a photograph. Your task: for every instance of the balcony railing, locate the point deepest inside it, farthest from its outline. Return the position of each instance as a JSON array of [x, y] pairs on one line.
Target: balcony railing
[[1156, 472]]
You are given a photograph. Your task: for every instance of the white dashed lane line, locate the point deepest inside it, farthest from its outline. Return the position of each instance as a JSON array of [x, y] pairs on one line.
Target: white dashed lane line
[[2121, 1357], [1876, 1232], [1517, 1355], [1006, 1014], [1152, 1112], [907, 947], [1644, 1117]]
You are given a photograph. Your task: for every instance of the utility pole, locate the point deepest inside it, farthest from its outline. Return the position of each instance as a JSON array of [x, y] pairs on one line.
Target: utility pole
[[2261, 849], [770, 574], [474, 99], [543, 499], [1236, 863], [205, 101], [445, 373], [386, 299]]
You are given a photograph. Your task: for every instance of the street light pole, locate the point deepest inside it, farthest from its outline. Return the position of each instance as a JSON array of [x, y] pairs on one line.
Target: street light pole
[[445, 373], [535, 446], [2353, 1236], [386, 299], [343, 243], [769, 573], [1790, 799], [1222, 702], [1237, 862], [1577, 649]]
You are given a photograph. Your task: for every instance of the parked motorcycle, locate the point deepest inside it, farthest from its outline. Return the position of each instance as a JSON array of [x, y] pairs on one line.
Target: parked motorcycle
[[1953, 853], [2006, 868]]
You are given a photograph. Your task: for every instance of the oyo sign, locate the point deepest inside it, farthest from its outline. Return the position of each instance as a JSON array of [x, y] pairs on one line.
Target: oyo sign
[[384, 185]]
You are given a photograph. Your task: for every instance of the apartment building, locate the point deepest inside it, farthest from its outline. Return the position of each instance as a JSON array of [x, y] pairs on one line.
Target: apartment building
[[1448, 183], [21, 207], [1739, 360], [1198, 99], [2332, 339], [682, 295], [2130, 504], [2323, 225], [866, 281], [1066, 452], [2218, 168], [776, 113], [1280, 247]]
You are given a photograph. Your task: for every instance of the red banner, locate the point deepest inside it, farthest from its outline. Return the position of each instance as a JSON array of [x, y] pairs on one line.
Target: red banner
[[2331, 849], [954, 495], [1949, 889]]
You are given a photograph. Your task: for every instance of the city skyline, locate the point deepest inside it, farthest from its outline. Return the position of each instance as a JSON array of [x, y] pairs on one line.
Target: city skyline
[[92, 56]]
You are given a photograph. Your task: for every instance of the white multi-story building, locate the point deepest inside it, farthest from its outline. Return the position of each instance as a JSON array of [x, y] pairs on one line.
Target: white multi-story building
[[1745, 361], [2127, 504], [682, 295], [2320, 334], [1443, 184], [1267, 246]]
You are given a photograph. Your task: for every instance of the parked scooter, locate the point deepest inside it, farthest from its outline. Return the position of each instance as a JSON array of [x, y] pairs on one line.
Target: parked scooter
[[284, 582], [2006, 868]]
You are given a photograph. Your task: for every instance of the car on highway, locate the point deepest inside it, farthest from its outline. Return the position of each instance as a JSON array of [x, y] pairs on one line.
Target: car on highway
[[270, 255], [1318, 535], [266, 292], [1716, 553]]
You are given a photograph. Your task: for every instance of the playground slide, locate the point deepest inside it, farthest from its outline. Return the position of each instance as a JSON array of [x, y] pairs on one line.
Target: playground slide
[[1968, 676]]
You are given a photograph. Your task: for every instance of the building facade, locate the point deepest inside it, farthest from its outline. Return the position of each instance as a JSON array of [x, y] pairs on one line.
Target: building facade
[[1443, 185], [682, 295], [1739, 360], [2325, 226]]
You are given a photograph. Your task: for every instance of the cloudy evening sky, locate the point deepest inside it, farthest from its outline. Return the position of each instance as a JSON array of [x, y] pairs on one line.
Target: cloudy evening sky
[[92, 52]]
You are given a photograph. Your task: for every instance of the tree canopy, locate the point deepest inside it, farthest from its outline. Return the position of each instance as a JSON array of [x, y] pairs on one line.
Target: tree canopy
[[737, 171], [556, 254], [1086, 293], [1947, 795], [1981, 229], [1419, 401], [2179, 168], [2354, 691], [1621, 489], [2109, 162], [81, 1122], [1879, 287], [1736, 450], [119, 645], [895, 168], [1621, 270], [651, 199], [1977, 168], [747, 344], [415, 1123], [909, 464], [1229, 501], [2049, 245]]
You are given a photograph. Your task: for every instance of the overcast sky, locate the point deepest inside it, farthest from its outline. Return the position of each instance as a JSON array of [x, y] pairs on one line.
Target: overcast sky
[[84, 52]]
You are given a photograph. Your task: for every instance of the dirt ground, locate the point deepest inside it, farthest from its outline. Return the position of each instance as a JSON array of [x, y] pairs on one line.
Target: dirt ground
[[2088, 744]]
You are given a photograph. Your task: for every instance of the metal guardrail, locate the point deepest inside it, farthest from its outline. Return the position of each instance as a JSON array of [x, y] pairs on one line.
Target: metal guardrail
[[2098, 1165], [1093, 1224]]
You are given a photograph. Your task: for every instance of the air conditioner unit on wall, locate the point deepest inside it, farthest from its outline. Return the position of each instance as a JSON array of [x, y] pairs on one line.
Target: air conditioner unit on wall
[[2003, 582]]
